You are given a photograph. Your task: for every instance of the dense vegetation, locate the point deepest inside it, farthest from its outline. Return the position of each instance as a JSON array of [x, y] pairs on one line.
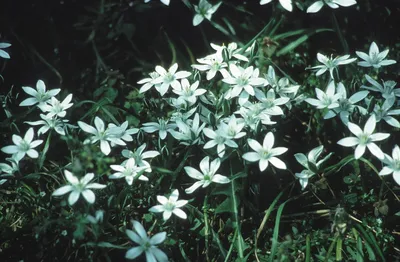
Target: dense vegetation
[[199, 131]]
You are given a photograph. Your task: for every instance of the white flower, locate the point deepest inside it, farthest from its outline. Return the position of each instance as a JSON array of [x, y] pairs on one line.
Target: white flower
[[99, 134], [364, 139], [130, 171], [98, 218], [241, 79], [347, 105], [55, 107], [146, 244], [374, 58], [119, 134], [140, 156], [162, 127], [204, 11], [207, 174], [169, 78], [7, 171], [384, 113], [330, 64], [189, 131], [392, 165], [307, 161], [270, 103], [387, 90], [49, 123], [148, 82], [265, 153], [232, 50], [189, 92], [40, 95], [3, 53], [287, 4], [212, 65], [233, 129], [218, 139], [315, 7], [325, 100], [78, 187], [165, 2], [23, 146], [170, 205]]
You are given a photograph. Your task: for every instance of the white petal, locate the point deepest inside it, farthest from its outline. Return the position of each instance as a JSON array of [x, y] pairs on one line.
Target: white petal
[[105, 147], [220, 179], [251, 156], [73, 197], [179, 212], [355, 129], [376, 151], [314, 8], [134, 252], [70, 177], [63, 190], [348, 141], [370, 125], [89, 196], [359, 152], [277, 162]]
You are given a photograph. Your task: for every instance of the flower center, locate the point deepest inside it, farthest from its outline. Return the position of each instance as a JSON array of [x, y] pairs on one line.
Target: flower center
[[265, 154], [24, 146], [364, 139]]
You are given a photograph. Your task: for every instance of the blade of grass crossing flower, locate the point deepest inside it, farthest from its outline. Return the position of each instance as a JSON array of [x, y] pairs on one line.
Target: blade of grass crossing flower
[[339, 244], [45, 149], [275, 235]]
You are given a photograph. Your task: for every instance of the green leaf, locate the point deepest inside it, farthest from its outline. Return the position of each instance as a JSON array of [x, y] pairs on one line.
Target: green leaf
[[225, 207], [104, 244]]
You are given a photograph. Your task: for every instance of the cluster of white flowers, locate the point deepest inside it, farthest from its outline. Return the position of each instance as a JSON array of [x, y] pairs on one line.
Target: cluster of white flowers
[[334, 102], [316, 6]]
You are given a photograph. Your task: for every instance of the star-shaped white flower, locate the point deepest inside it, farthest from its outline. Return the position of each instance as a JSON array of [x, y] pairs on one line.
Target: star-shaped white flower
[[204, 11], [54, 107], [162, 127], [326, 99], [78, 187], [334, 4], [189, 92], [265, 153], [23, 146], [40, 95], [130, 171], [330, 64], [364, 138], [139, 155], [392, 165], [169, 78], [146, 244], [374, 58], [242, 78], [170, 205], [213, 65], [49, 123], [387, 90], [207, 174], [287, 4]]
